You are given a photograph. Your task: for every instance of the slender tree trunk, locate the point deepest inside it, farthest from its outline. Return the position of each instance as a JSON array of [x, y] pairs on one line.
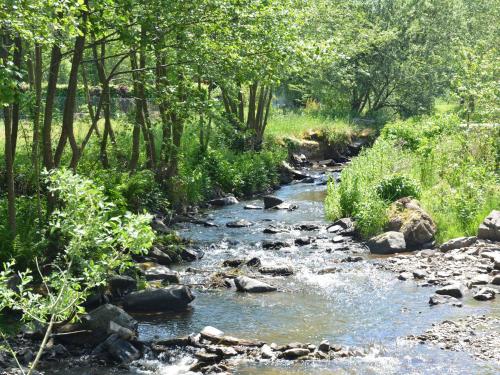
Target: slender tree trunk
[[166, 142], [55, 63], [35, 152], [16, 107], [67, 132], [9, 166], [134, 157]]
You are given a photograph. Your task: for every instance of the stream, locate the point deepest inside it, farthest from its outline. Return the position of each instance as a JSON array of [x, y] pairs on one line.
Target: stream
[[357, 305]]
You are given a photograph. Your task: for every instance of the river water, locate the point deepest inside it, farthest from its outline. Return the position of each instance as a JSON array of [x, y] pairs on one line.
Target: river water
[[358, 305]]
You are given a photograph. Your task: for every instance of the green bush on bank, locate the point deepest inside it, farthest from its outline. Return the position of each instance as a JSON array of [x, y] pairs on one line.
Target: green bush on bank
[[453, 169]]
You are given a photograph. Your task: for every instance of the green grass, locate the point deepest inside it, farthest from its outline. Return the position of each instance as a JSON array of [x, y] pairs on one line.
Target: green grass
[[297, 125], [455, 168]]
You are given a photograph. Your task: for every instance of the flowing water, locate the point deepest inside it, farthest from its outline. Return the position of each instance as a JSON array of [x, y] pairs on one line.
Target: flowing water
[[358, 305]]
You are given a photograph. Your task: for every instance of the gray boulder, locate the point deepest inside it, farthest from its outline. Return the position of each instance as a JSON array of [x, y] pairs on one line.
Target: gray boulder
[[158, 300], [225, 201], [387, 243], [119, 349], [248, 285], [120, 285], [271, 201], [343, 226], [407, 216], [437, 299], [159, 256], [485, 294], [156, 272], [454, 290], [458, 243], [490, 227], [99, 320]]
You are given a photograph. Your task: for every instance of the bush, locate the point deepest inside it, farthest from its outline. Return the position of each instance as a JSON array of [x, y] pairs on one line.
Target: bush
[[397, 186], [451, 169]]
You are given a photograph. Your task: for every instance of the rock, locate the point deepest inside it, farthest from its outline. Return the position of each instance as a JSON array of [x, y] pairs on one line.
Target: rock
[[120, 350], [158, 300], [351, 259], [458, 243], [495, 280], [266, 352], [307, 227], [417, 274], [490, 227], [454, 290], [299, 159], [190, 255], [246, 284], [294, 353], [233, 262], [437, 299], [159, 256], [324, 346], [252, 207], [277, 270], [242, 223], [406, 216], [308, 180], [211, 333], [155, 272], [225, 201], [271, 201], [159, 226], [302, 241], [405, 276], [254, 262], [121, 285], [274, 230], [285, 206], [288, 173], [275, 245], [343, 226], [123, 332], [387, 243], [485, 294], [99, 320], [479, 280]]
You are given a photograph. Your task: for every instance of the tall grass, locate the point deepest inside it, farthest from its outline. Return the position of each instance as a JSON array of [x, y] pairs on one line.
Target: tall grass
[[455, 167]]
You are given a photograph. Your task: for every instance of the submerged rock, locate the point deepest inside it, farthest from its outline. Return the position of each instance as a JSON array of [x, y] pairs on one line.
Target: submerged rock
[[158, 300], [276, 270], [387, 243], [302, 241], [246, 284], [242, 223], [275, 245], [490, 227], [437, 299], [252, 207]]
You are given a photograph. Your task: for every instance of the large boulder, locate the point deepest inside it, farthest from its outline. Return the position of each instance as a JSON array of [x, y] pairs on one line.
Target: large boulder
[[118, 349], [490, 227], [159, 256], [100, 319], [271, 201], [248, 285], [158, 300], [387, 243], [155, 272], [120, 285], [407, 216], [454, 290], [225, 201], [458, 243]]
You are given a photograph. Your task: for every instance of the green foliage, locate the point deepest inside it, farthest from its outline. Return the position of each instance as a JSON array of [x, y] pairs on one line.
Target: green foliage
[[453, 169], [95, 244], [394, 187]]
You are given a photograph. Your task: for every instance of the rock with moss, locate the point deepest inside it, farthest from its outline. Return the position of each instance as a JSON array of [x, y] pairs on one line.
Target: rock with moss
[[490, 227], [408, 217]]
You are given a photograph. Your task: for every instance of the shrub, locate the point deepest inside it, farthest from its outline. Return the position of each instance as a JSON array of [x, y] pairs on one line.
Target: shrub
[[397, 186]]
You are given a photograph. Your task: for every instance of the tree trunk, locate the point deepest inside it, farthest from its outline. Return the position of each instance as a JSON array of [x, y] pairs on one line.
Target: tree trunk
[[134, 157], [55, 63], [16, 107], [67, 132]]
